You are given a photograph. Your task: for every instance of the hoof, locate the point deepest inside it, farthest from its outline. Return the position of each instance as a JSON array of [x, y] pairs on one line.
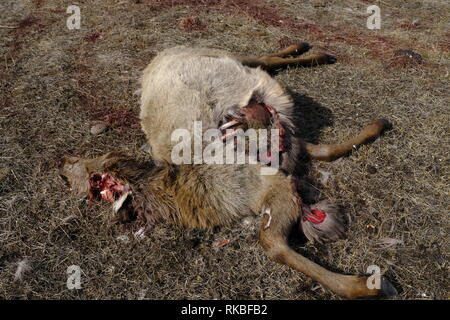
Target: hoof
[[302, 48], [330, 59], [385, 122], [387, 288]]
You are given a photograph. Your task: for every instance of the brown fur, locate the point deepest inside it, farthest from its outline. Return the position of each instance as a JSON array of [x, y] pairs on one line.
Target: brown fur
[[204, 196]]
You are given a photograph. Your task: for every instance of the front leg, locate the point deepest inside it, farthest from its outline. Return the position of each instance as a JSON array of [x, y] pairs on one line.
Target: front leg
[[334, 151]]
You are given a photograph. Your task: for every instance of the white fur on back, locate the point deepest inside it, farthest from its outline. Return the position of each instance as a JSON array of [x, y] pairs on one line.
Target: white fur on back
[[205, 84]]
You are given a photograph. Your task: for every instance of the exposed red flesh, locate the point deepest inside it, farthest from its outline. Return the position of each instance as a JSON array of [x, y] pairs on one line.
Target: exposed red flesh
[[106, 186], [265, 115], [257, 112], [316, 216]]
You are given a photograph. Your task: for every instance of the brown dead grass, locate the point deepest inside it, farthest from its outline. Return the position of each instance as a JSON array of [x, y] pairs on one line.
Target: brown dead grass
[[55, 83]]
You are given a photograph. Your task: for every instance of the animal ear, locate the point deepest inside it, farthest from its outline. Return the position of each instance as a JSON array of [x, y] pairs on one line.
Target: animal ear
[[74, 170]]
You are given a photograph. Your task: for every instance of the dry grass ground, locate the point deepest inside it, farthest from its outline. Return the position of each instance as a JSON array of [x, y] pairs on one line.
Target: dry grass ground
[[56, 82]]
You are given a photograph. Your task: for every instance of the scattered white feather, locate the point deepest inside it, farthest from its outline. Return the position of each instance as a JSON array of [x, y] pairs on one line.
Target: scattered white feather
[[247, 222], [68, 218], [123, 238], [22, 267], [140, 234], [142, 294], [389, 242], [324, 177], [145, 148]]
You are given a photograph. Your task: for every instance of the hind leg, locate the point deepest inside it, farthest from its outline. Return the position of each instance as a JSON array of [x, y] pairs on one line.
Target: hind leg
[[281, 216], [292, 50], [279, 60]]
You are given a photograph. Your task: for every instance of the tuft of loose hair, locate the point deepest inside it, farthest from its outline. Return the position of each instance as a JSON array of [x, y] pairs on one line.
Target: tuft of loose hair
[[22, 267]]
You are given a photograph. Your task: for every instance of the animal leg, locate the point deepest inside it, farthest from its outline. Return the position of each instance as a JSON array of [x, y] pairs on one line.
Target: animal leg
[[277, 59], [274, 62], [333, 151], [294, 49], [273, 237], [309, 61]]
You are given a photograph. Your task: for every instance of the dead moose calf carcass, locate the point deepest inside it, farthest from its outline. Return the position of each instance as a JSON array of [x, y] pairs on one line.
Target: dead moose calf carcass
[[227, 92]]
